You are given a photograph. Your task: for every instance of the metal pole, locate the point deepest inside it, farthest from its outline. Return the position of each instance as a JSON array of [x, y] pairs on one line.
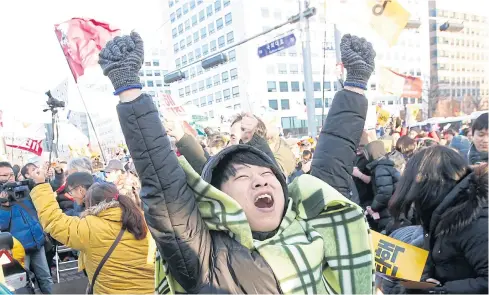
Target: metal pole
[[337, 40], [308, 83], [324, 76]]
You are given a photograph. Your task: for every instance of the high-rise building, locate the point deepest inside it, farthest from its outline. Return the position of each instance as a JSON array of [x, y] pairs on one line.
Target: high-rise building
[[459, 52]]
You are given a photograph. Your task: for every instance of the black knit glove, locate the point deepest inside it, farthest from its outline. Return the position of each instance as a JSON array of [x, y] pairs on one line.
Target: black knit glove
[[358, 57], [121, 60]]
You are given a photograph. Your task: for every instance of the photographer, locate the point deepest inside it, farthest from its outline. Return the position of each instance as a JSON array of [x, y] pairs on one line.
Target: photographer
[[19, 217]]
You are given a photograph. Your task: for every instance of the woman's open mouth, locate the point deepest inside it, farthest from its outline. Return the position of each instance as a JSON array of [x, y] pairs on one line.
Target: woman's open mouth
[[264, 203]]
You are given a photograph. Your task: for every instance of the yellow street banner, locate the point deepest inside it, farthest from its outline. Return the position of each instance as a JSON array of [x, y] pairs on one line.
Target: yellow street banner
[[388, 18], [397, 259], [382, 116]]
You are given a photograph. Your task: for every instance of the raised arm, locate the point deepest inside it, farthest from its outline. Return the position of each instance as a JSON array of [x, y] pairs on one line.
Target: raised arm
[[169, 205], [341, 132]]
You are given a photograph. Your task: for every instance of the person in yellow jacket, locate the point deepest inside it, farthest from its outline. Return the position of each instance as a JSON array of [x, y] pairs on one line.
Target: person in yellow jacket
[[130, 267]]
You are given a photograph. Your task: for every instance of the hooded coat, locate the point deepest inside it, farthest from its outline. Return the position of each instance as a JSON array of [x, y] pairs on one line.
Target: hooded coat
[[205, 255], [457, 239]]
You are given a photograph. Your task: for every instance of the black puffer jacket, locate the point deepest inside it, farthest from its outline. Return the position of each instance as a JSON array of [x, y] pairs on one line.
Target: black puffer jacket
[[457, 239], [211, 262], [384, 180]]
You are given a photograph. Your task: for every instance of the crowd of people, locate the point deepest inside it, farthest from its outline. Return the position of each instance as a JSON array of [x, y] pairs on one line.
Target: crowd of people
[[247, 212]]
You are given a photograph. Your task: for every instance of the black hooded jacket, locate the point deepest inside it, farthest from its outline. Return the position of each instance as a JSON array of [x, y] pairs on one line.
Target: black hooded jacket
[[211, 262], [457, 239]]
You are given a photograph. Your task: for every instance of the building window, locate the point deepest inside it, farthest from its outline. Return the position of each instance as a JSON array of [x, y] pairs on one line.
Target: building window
[[149, 73], [272, 86], [265, 12], [190, 57], [202, 15], [218, 96], [185, 8], [230, 37], [172, 17], [294, 86], [201, 85], [194, 88], [208, 82], [211, 28], [170, 3], [205, 50], [282, 68], [187, 90], [196, 102], [198, 53], [327, 86], [317, 86], [174, 33], [157, 73], [213, 45], [221, 42], [210, 99], [284, 104], [227, 2], [225, 77], [189, 40], [228, 18], [217, 79], [294, 68], [192, 72], [273, 104], [203, 32], [219, 23], [179, 13], [318, 103], [141, 73], [182, 44], [203, 102], [156, 63], [232, 55], [209, 10], [194, 20], [196, 36], [175, 48], [181, 92], [217, 5], [235, 91], [143, 83], [180, 28], [200, 70], [234, 74], [192, 4], [187, 25], [237, 107], [284, 86], [184, 60], [150, 83], [226, 94]]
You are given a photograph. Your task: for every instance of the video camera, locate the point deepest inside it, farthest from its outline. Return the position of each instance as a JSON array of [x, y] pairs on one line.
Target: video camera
[[16, 190], [53, 102]]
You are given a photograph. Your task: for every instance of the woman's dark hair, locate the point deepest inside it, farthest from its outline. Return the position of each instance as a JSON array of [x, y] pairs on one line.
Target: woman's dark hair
[[428, 177], [16, 169], [406, 146], [83, 179], [480, 123], [132, 217]]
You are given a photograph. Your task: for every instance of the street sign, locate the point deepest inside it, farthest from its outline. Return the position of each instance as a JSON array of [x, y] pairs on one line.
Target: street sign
[[277, 45]]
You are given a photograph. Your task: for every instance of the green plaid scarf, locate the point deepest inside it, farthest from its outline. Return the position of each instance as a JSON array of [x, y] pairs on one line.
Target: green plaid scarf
[[338, 230]]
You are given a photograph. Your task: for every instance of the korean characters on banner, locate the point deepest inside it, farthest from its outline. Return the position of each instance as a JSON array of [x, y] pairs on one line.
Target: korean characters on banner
[[397, 259]]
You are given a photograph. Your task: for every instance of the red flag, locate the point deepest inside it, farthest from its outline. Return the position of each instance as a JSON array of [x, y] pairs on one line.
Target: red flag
[[413, 86], [81, 40]]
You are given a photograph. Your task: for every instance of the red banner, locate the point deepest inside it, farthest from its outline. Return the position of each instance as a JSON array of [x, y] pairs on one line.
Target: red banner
[[27, 144]]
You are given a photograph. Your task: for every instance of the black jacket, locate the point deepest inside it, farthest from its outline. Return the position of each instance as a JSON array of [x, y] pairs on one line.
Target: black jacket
[[384, 180], [365, 192], [457, 239], [204, 261]]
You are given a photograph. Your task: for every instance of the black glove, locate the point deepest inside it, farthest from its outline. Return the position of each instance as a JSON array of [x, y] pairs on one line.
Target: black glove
[[358, 57], [121, 60]]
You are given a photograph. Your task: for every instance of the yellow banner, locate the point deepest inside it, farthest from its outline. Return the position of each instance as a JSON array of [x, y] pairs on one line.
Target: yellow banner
[[397, 259], [388, 18], [382, 116]]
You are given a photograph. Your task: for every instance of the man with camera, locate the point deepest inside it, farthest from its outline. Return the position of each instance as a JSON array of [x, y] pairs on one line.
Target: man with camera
[[19, 217]]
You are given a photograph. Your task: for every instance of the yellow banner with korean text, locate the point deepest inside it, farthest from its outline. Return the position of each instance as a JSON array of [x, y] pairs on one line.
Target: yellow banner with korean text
[[397, 259]]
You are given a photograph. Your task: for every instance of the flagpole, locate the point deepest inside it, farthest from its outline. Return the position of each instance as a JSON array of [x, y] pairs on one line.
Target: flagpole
[[83, 101]]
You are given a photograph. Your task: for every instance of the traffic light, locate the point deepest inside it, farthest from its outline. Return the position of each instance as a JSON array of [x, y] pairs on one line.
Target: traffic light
[[214, 61], [451, 27], [173, 77]]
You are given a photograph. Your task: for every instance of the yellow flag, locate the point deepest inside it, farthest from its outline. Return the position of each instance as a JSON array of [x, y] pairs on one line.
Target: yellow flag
[[388, 18]]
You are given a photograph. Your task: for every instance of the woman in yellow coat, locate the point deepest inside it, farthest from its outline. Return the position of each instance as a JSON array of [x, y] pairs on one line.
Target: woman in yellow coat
[[130, 267]]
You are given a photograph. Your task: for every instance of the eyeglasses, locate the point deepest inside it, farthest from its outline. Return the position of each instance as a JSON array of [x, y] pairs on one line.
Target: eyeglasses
[[70, 192]]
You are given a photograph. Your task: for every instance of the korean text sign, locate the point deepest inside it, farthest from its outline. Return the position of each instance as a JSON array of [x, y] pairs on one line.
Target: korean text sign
[[397, 259]]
